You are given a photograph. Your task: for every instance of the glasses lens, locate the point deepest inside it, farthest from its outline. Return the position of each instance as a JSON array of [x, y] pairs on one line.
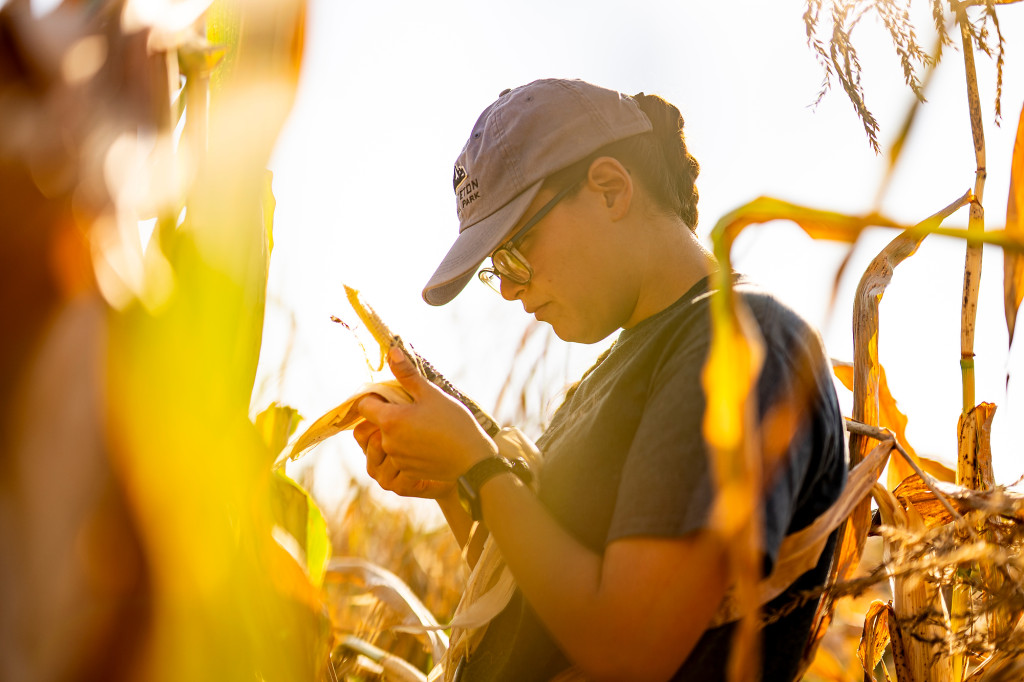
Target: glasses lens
[[510, 266]]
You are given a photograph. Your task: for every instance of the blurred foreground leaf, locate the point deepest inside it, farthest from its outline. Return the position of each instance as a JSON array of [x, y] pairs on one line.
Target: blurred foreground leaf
[[276, 425], [297, 513], [1013, 262]]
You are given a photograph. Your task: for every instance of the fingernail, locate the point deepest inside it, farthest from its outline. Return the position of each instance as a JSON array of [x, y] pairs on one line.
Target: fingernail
[[395, 355]]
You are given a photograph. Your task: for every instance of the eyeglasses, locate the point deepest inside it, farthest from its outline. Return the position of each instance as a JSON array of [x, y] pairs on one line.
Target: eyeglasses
[[507, 262]]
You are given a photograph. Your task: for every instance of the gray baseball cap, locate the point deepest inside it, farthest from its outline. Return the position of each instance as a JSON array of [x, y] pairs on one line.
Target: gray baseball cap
[[528, 134]]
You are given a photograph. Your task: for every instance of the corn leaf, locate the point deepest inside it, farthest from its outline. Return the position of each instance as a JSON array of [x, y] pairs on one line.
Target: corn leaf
[[268, 206], [867, 369], [276, 425], [875, 637], [297, 514], [1013, 263], [343, 417], [729, 377], [892, 418], [817, 223], [229, 603], [396, 594], [912, 491], [731, 369]]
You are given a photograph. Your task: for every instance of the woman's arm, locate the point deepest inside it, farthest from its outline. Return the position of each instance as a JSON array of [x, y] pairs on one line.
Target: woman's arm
[[636, 612]]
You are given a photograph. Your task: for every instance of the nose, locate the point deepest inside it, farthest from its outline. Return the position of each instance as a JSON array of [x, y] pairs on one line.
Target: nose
[[510, 291]]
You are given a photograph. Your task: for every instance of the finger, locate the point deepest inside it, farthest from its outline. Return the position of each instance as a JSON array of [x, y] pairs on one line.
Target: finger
[[406, 373], [410, 467], [373, 409], [410, 486], [385, 472], [363, 431], [374, 452]]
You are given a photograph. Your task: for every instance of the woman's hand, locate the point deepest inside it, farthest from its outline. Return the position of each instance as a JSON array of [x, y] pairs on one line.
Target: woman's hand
[[383, 469], [423, 447]]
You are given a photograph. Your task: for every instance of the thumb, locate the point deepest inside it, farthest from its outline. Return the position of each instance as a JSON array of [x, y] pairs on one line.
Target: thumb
[[405, 371]]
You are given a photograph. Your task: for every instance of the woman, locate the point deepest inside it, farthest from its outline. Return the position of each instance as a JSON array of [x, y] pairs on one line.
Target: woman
[[584, 200]]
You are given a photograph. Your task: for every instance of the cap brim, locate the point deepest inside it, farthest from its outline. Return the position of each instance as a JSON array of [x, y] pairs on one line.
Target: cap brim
[[472, 246]]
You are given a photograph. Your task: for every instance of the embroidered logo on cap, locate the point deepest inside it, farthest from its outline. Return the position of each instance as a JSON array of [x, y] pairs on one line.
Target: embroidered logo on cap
[[460, 177]]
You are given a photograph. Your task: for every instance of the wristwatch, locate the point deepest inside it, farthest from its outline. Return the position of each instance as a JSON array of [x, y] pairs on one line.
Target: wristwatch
[[469, 483]]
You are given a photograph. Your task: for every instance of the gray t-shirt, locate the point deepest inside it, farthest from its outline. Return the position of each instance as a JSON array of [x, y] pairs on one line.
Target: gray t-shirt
[[624, 456]]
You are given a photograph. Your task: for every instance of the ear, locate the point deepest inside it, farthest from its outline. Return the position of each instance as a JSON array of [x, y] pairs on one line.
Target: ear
[[613, 182]]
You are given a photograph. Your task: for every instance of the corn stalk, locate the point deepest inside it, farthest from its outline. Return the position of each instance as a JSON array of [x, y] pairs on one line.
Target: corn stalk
[[911, 599], [968, 464], [972, 266]]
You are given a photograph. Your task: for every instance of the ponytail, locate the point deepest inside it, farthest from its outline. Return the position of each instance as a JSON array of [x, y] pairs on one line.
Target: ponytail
[[676, 185]]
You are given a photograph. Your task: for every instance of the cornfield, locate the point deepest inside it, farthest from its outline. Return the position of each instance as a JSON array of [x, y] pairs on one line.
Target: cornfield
[[148, 529]]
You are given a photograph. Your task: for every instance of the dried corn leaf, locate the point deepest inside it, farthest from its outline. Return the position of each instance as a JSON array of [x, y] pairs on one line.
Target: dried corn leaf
[[725, 422], [913, 492], [891, 417], [1002, 666], [974, 469], [392, 591], [918, 638], [344, 417], [867, 373], [800, 551], [1013, 262], [875, 637], [818, 224], [890, 510], [727, 384]]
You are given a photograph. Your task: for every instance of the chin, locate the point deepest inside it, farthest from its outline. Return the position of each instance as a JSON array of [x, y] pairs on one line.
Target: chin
[[579, 336]]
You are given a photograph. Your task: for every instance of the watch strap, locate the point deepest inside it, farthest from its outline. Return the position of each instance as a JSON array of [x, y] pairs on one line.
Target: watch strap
[[469, 483]]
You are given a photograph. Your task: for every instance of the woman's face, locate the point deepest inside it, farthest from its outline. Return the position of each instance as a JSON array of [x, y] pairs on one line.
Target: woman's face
[[581, 282]]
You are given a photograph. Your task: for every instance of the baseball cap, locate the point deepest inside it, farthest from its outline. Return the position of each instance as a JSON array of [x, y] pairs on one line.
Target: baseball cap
[[526, 135]]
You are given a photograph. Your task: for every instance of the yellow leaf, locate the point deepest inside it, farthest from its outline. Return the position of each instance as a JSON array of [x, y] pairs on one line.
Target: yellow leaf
[[344, 417], [912, 492], [1013, 262], [875, 637], [890, 417], [276, 424]]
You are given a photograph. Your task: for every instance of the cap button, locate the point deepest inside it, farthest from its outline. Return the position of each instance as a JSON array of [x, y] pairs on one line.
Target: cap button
[[505, 92]]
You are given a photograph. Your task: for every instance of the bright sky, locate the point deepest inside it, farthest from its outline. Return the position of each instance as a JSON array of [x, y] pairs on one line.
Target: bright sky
[[390, 91]]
